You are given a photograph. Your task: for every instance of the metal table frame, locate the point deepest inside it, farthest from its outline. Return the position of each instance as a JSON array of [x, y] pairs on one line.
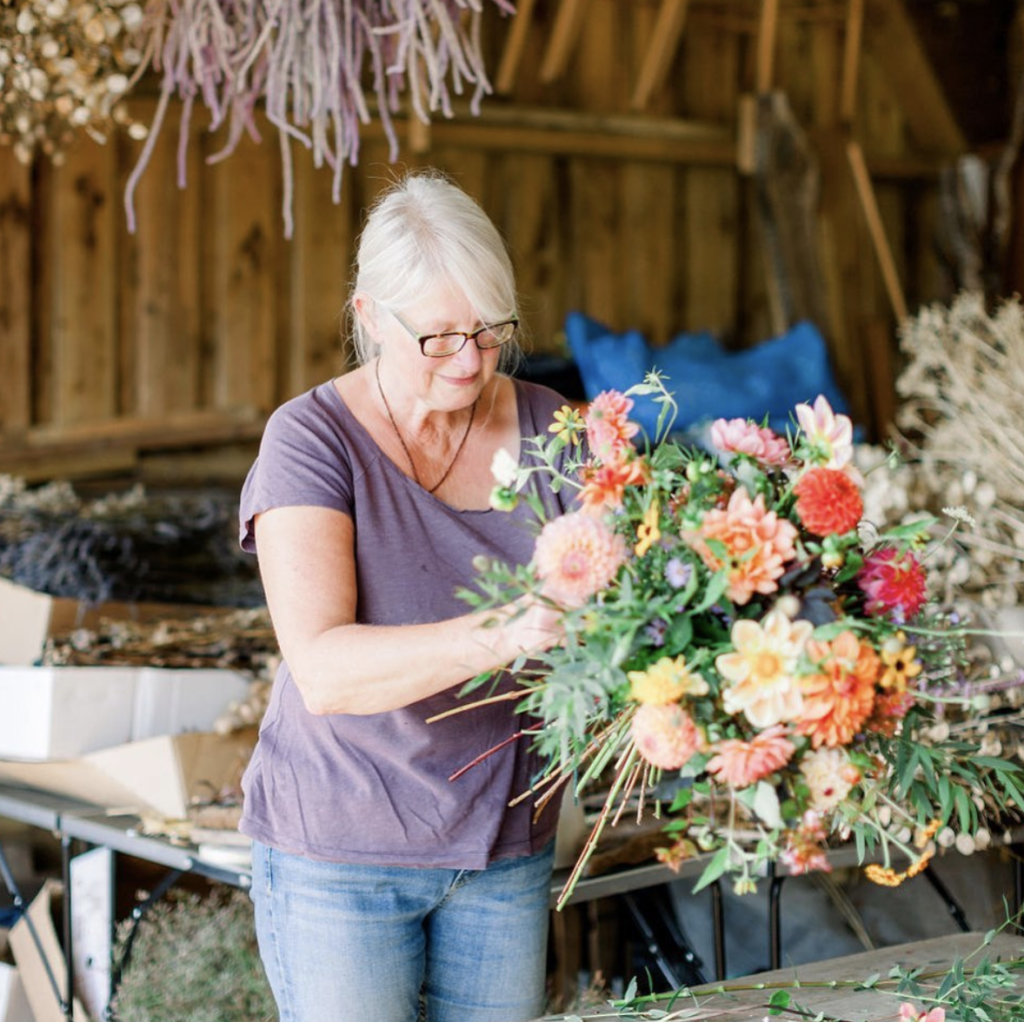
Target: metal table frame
[[72, 820]]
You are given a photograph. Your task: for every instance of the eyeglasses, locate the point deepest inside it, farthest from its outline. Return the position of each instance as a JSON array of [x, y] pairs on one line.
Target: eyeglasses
[[494, 335]]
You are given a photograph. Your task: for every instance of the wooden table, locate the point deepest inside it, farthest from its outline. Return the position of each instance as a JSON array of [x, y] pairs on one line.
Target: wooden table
[[739, 1003]]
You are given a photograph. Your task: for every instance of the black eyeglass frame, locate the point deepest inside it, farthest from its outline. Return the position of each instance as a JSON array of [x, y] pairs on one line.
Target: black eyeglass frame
[[421, 339]]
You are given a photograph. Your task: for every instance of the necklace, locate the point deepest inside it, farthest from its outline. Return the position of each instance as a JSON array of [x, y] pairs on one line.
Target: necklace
[[408, 456]]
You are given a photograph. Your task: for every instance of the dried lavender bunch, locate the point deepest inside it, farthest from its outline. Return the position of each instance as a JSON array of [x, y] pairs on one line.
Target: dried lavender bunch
[[171, 548], [307, 61]]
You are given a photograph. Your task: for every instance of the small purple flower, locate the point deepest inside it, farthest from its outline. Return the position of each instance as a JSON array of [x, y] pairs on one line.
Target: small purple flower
[[655, 632], [677, 573]]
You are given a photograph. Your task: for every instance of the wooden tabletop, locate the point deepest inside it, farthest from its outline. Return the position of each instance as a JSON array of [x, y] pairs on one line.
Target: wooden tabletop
[[737, 1000]]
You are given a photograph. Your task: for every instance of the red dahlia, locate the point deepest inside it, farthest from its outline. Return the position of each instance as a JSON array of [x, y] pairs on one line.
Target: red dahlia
[[893, 582], [828, 501]]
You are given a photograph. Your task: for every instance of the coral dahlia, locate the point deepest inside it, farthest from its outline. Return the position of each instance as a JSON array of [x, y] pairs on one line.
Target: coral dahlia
[[741, 763], [576, 556], [828, 501], [759, 544], [665, 735], [609, 430]]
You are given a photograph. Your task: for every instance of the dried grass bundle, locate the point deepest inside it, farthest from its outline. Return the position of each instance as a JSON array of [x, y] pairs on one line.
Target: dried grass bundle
[[962, 420], [307, 61]]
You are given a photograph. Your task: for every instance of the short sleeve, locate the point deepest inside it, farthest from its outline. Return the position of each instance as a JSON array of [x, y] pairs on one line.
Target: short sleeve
[[303, 461]]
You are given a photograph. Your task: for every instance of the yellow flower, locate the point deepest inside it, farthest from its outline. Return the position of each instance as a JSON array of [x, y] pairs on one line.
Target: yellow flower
[[568, 425], [647, 531], [899, 665], [666, 681]]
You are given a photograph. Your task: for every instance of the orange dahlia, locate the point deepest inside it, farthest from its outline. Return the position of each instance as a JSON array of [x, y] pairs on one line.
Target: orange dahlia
[[604, 486], [828, 501], [839, 699], [758, 541]]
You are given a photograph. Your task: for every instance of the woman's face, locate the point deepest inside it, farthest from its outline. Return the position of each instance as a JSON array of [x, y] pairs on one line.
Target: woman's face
[[445, 384]]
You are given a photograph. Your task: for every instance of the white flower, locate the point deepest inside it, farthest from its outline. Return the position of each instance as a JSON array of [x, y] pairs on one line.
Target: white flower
[[960, 514], [504, 468]]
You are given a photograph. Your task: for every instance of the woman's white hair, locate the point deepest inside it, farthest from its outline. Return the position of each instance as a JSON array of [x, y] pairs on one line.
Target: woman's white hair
[[422, 232]]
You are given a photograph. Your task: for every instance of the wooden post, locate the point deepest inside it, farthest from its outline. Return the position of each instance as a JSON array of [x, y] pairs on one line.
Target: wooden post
[[851, 61], [767, 30], [563, 37], [508, 69], [668, 30], [15, 293], [876, 229]]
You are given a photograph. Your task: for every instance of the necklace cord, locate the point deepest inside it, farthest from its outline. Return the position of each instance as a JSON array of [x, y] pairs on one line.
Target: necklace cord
[[405, 450]]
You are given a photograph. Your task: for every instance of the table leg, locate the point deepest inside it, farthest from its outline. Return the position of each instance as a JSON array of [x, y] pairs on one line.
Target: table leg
[[68, 1002]]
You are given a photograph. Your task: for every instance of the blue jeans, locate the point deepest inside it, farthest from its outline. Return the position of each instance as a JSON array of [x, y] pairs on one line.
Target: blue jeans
[[344, 943]]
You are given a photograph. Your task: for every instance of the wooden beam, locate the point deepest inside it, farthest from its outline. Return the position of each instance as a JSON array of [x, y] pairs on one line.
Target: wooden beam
[[876, 229], [851, 61], [515, 45], [767, 31], [668, 30], [145, 432], [563, 38], [891, 37]]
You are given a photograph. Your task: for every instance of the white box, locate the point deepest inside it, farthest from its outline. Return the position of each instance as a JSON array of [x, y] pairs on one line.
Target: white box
[[169, 701], [160, 774], [63, 712], [13, 1002]]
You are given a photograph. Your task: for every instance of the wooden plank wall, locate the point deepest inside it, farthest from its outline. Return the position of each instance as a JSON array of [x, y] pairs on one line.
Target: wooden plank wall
[[189, 332]]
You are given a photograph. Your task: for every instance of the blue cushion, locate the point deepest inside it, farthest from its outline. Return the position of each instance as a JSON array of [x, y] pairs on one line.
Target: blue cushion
[[707, 381]]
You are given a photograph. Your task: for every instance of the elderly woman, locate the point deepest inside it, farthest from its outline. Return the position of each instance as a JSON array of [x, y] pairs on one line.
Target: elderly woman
[[384, 889]]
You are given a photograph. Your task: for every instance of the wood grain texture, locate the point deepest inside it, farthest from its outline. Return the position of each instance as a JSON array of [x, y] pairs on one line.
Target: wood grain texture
[[16, 293]]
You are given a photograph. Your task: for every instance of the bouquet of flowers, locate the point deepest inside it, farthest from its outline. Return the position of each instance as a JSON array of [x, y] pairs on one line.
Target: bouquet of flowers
[[741, 650]]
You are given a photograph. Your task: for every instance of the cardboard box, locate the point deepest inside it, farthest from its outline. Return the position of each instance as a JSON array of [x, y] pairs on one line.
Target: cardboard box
[[159, 774], [28, 618], [13, 1000], [171, 700], [61, 712], [39, 957]]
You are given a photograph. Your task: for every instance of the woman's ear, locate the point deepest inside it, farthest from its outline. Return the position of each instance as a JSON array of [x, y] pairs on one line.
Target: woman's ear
[[366, 311]]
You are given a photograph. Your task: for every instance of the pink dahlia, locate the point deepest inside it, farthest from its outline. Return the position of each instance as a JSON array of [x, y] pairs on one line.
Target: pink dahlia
[[893, 582], [828, 501], [665, 735], [741, 436], [609, 430], [742, 763], [759, 544], [576, 556]]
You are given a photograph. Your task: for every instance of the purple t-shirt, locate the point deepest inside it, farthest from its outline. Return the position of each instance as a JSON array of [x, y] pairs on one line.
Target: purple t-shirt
[[375, 789]]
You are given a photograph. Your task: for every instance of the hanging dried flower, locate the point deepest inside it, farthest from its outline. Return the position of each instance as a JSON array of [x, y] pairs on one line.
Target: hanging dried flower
[[64, 67], [307, 62]]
